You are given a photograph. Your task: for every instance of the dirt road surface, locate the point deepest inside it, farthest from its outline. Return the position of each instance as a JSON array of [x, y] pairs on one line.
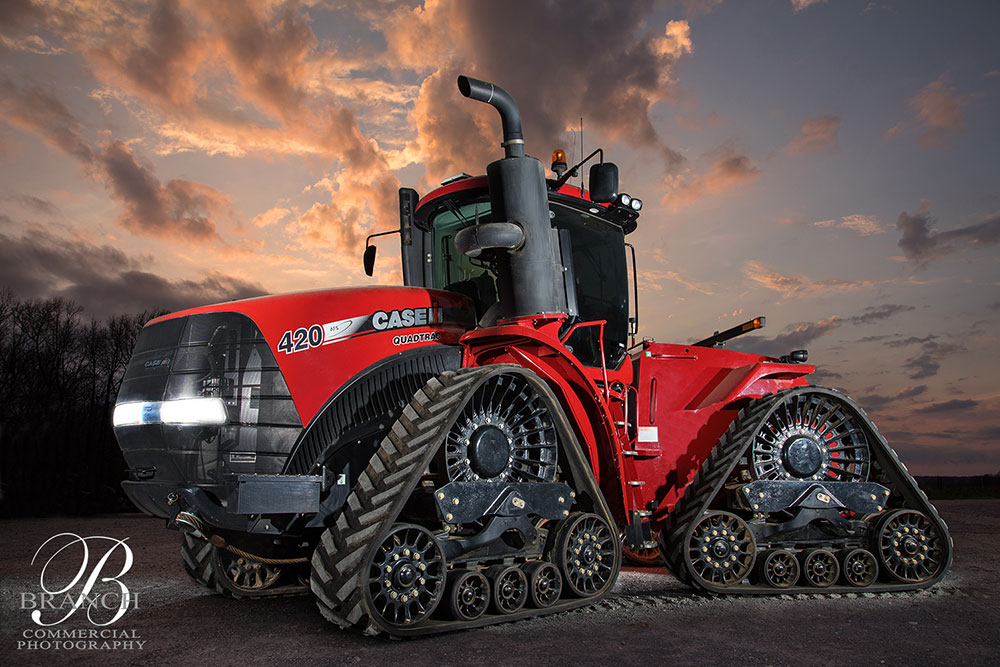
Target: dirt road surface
[[650, 619]]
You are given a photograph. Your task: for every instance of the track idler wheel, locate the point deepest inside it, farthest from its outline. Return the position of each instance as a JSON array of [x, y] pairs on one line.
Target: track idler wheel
[[545, 584], [243, 576], [859, 567], [780, 569], [585, 550], [910, 548], [406, 576], [820, 568], [510, 588], [470, 596], [721, 549], [644, 556]]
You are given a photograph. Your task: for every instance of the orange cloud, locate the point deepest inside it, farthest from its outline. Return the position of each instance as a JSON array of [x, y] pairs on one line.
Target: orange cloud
[[799, 285], [865, 225], [939, 112], [802, 5], [818, 135], [730, 172]]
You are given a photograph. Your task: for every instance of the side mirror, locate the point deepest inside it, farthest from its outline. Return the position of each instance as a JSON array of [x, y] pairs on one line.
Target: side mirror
[[369, 260], [603, 182]]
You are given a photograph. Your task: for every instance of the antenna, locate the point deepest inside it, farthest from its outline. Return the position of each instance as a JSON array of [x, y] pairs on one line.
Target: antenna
[[581, 153]]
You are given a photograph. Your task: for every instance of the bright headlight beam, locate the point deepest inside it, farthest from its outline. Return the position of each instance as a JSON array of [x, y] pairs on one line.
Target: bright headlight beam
[[200, 411]]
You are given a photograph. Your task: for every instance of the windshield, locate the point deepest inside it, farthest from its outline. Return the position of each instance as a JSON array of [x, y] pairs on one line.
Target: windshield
[[452, 270], [592, 250]]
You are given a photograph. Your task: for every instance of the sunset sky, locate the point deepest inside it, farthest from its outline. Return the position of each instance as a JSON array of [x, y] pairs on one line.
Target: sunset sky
[[832, 165]]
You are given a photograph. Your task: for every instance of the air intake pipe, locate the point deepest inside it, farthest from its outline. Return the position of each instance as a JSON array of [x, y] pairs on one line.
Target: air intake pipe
[[529, 277]]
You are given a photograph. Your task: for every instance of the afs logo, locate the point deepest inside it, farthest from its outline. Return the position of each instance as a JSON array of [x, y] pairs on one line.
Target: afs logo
[[105, 597]]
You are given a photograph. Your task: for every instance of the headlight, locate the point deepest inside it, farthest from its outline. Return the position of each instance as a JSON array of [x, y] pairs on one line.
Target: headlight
[[202, 411]]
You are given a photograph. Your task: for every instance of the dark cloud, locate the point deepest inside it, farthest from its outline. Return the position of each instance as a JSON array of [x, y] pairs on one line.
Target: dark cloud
[[928, 362], [876, 313], [871, 401], [36, 108], [101, 278], [182, 210], [921, 243], [266, 51], [823, 376], [159, 60], [948, 406], [603, 61], [15, 14], [35, 204], [794, 337]]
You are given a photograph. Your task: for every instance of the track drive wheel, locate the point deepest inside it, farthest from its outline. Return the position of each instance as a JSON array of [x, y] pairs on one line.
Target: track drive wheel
[[910, 548], [470, 595], [405, 576], [721, 549], [199, 562], [780, 569], [820, 568], [585, 549]]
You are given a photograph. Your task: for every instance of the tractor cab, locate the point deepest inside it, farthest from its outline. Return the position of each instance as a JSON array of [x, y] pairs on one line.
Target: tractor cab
[[588, 241]]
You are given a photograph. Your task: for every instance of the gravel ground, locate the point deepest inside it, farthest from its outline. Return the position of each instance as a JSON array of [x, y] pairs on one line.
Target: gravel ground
[[649, 619]]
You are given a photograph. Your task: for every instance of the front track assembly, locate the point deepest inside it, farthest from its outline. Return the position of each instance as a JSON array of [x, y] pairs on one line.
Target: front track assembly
[[802, 494], [441, 533]]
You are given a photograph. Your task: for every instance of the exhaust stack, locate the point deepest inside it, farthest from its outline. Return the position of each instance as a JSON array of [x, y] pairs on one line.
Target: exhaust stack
[[529, 277], [499, 99]]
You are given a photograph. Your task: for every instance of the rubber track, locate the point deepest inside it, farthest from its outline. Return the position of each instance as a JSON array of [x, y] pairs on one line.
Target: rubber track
[[723, 460], [196, 554], [339, 563], [340, 560]]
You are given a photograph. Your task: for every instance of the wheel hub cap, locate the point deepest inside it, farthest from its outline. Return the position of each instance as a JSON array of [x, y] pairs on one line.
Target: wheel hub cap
[[489, 451], [802, 456]]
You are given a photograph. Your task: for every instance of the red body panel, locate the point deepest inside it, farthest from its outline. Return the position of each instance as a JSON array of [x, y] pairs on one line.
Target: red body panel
[[353, 339], [687, 397]]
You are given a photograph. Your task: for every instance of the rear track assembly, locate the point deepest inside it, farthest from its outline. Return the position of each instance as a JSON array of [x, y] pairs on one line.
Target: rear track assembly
[[805, 485]]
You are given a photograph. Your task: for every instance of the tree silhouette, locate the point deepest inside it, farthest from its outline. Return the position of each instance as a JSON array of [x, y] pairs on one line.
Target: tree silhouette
[[59, 377]]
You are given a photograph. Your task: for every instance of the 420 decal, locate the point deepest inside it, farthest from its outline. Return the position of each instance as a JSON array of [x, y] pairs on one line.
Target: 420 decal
[[315, 335]]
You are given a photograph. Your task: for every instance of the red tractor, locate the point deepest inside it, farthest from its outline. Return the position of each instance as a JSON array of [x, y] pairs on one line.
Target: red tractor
[[481, 444]]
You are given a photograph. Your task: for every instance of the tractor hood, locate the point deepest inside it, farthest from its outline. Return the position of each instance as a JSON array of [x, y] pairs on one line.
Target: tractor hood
[[341, 331]]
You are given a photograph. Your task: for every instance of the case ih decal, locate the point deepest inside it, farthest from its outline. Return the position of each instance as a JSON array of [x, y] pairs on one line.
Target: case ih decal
[[315, 335]]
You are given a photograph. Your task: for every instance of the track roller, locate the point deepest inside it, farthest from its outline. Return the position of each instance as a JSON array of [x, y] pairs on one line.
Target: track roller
[[820, 568], [544, 584], [859, 567], [780, 569], [510, 588], [469, 596]]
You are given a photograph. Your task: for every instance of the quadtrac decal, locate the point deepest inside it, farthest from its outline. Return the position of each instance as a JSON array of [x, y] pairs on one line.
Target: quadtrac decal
[[317, 335]]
